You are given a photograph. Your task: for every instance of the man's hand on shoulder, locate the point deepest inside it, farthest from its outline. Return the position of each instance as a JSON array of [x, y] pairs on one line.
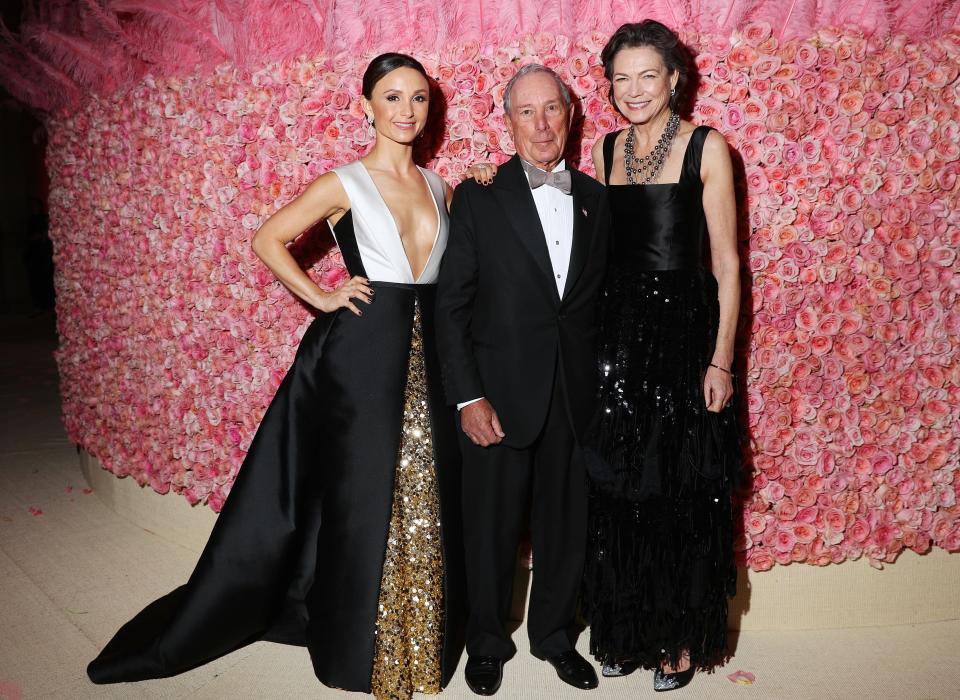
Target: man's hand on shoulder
[[480, 423]]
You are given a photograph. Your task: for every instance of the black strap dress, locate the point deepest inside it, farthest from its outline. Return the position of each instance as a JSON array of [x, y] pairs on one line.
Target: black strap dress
[[660, 562]]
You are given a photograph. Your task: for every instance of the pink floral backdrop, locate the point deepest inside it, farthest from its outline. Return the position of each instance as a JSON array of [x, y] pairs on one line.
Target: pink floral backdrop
[[174, 336]]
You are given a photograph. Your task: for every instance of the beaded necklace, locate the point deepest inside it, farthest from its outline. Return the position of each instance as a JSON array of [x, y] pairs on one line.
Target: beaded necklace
[[646, 169]]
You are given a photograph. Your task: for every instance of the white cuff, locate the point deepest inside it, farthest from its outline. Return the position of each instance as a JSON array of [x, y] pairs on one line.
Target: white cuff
[[467, 403]]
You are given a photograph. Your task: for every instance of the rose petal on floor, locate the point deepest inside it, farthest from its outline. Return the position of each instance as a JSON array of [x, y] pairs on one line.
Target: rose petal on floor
[[741, 677]]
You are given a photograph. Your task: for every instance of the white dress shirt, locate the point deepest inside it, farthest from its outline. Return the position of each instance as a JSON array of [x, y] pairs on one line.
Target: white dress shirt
[[556, 217], [555, 210]]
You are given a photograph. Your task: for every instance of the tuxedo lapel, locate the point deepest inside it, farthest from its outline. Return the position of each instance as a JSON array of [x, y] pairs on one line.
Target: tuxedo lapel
[[513, 193], [583, 210]]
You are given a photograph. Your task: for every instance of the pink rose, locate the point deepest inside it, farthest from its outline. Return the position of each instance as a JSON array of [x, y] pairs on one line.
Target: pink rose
[[806, 55], [765, 67], [785, 509], [705, 63], [785, 540], [896, 80], [804, 532], [755, 33], [851, 103], [578, 64], [742, 56], [340, 100], [585, 84], [710, 111], [754, 111], [807, 514], [859, 531], [759, 560]]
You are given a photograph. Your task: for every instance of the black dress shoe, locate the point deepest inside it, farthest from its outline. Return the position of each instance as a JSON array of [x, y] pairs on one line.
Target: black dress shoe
[[483, 674], [671, 681], [574, 670]]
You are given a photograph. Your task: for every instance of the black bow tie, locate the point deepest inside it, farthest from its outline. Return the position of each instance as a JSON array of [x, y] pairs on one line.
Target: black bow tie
[[559, 179]]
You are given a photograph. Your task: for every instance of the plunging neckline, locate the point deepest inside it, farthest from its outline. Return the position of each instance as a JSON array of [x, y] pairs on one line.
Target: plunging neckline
[[396, 229]]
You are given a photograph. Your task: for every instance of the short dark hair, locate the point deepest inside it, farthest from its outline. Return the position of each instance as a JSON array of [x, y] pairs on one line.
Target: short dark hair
[[386, 63], [676, 56]]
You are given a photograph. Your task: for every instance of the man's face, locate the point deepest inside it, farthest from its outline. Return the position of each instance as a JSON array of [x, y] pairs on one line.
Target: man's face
[[539, 120]]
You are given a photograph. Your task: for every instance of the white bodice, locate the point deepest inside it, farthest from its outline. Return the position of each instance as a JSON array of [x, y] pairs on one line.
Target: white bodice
[[378, 238]]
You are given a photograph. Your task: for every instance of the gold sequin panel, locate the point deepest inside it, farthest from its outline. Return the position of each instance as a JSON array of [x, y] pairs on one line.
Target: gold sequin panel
[[410, 615]]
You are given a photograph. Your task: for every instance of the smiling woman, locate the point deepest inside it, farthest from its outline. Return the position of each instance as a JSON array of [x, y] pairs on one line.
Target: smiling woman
[[664, 443], [341, 534]]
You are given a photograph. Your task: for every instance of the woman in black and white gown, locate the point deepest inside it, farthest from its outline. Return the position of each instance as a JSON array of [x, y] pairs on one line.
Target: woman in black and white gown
[[342, 530]]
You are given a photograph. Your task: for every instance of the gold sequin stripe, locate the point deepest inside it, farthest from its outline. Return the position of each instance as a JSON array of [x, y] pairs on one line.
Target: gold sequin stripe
[[410, 612]]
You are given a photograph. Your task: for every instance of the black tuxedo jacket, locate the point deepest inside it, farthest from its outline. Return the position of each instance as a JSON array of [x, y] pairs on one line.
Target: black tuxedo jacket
[[503, 331]]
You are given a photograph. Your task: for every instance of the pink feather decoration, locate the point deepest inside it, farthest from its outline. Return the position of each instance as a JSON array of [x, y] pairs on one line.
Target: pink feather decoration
[[514, 18], [449, 23], [280, 30], [871, 16], [52, 73], [457, 22], [789, 19], [105, 44], [224, 18], [16, 79], [74, 55], [317, 13], [594, 16], [170, 17], [427, 18], [349, 27], [724, 17], [914, 17], [550, 18], [106, 19]]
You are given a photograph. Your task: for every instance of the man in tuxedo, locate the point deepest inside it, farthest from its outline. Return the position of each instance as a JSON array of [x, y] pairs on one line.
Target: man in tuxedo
[[516, 331]]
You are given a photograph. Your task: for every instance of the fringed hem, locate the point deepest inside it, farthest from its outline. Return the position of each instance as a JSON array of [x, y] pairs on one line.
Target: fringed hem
[[657, 579]]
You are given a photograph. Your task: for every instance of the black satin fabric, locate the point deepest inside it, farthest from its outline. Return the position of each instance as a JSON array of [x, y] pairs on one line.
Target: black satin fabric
[[660, 226], [296, 555]]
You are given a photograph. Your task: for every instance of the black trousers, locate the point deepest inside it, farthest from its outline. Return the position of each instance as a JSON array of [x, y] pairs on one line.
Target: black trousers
[[498, 484]]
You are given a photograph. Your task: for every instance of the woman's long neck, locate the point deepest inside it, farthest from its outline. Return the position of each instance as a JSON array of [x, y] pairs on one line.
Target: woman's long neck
[[391, 156], [648, 133]]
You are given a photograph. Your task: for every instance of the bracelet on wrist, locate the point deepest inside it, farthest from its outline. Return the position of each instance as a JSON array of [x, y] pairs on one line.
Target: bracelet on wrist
[[721, 369]]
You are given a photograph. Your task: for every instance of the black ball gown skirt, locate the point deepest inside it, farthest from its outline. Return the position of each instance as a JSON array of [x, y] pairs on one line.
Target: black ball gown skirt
[[315, 533]]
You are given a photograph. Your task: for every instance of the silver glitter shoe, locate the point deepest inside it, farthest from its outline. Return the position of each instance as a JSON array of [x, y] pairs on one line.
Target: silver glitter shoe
[[615, 669], [671, 681]]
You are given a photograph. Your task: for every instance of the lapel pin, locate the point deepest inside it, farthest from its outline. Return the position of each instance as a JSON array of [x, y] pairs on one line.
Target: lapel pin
[[584, 211]]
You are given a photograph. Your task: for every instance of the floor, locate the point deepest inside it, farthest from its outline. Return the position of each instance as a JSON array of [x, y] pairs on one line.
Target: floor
[[72, 571]]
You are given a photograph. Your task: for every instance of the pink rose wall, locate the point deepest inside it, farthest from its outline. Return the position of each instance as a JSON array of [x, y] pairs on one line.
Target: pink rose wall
[[174, 336]]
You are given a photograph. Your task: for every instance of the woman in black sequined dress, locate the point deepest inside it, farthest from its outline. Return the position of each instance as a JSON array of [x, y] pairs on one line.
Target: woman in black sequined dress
[[664, 451]]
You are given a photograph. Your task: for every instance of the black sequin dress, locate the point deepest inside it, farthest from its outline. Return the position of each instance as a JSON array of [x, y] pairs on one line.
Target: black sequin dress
[[660, 563]]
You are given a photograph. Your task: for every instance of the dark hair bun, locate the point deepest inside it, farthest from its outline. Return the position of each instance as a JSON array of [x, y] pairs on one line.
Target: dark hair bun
[[386, 63]]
